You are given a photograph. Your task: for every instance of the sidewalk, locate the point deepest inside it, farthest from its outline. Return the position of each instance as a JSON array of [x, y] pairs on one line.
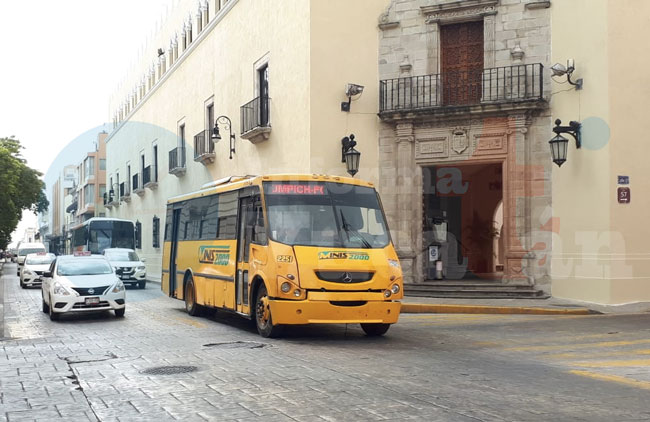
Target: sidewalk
[[550, 306]]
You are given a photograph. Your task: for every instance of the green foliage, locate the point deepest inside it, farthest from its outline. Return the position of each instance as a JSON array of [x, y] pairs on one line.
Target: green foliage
[[20, 189]]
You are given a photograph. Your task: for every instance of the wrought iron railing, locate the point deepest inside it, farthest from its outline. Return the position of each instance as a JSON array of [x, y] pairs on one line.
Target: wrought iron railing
[[462, 88], [177, 158], [136, 179], [146, 175], [203, 144], [255, 114]]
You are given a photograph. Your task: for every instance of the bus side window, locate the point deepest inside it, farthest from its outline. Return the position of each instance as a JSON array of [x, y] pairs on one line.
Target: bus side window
[[259, 231]]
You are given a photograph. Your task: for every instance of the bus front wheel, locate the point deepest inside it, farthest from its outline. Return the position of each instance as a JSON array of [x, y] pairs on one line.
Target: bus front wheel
[[191, 306], [374, 330], [263, 318]]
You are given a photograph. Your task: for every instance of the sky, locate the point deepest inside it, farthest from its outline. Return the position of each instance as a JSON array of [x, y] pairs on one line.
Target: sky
[[60, 62]]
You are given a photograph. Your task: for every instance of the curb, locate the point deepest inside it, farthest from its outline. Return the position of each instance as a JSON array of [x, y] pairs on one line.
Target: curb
[[421, 308]]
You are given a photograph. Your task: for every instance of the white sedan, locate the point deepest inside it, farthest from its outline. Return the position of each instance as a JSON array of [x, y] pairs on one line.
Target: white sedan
[[81, 284], [128, 266], [31, 274]]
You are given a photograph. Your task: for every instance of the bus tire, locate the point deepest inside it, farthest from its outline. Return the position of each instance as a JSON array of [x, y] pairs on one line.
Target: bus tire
[[374, 330], [263, 318], [191, 306]]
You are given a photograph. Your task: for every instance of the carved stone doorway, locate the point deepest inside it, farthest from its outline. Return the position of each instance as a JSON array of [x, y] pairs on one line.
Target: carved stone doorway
[[460, 204]]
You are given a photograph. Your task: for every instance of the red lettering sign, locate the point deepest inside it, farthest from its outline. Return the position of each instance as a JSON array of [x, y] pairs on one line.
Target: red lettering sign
[[298, 189]]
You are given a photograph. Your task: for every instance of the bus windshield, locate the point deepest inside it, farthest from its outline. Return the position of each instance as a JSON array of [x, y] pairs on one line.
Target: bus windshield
[[110, 234], [325, 214]]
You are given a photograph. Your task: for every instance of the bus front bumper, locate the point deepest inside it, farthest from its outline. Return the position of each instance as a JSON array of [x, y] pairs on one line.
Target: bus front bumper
[[325, 312]]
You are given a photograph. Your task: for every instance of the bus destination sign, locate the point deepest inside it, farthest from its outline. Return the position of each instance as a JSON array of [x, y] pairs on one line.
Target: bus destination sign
[[302, 189]]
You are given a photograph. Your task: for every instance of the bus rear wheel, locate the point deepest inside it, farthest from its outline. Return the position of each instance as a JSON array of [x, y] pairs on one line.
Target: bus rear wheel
[[191, 306], [374, 330], [263, 318]]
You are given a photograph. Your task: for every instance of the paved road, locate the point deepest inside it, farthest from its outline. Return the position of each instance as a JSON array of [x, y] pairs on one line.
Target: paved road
[[428, 367]]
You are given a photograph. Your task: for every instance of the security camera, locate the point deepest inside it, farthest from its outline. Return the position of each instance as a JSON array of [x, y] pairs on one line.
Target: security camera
[[353, 89], [558, 69]]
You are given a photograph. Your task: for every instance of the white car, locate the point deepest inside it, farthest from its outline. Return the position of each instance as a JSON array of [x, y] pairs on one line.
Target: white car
[[82, 283], [25, 249], [127, 266], [31, 273]]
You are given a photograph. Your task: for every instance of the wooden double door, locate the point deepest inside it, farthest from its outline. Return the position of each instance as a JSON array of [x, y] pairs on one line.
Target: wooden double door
[[462, 63]]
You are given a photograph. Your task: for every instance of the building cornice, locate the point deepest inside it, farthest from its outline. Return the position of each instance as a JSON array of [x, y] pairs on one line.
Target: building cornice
[[202, 35]]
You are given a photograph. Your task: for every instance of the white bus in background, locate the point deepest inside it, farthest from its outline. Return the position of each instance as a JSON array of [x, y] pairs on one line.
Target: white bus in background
[[99, 233]]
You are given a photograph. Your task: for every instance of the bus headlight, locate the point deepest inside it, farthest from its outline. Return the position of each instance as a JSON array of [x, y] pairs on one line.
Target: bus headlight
[[285, 287], [387, 293], [395, 289], [297, 293]]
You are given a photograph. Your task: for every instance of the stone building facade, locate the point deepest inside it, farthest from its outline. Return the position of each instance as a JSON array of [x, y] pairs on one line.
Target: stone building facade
[[463, 144]]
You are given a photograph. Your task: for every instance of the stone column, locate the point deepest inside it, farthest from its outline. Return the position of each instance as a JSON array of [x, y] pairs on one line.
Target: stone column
[[489, 33], [433, 44], [516, 195], [405, 199]]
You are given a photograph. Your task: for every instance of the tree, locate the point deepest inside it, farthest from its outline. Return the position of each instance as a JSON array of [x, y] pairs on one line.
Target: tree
[[20, 189]]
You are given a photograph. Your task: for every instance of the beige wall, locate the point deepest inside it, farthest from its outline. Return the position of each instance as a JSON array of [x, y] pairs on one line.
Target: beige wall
[[344, 49], [600, 252], [305, 90]]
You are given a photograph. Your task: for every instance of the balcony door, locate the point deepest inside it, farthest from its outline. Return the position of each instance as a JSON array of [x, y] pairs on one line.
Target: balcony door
[[462, 62]]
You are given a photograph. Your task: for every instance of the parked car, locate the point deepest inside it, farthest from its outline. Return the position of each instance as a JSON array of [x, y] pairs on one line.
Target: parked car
[[25, 249], [35, 265], [82, 283], [127, 265]]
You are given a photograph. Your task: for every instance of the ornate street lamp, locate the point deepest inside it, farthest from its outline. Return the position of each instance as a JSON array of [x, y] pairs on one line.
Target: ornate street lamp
[[349, 155], [225, 120], [559, 144]]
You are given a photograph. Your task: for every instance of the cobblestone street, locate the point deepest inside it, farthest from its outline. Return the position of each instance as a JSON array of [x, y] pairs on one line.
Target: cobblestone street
[[428, 367]]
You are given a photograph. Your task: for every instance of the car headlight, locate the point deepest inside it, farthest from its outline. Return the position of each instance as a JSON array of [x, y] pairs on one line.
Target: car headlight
[[140, 268], [119, 287], [60, 290]]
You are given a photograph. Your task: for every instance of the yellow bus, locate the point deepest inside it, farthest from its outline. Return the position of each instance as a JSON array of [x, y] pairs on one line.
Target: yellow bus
[[282, 250]]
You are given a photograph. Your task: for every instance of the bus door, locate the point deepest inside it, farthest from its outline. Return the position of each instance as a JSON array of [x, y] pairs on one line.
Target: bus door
[[176, 217], [250, 230]]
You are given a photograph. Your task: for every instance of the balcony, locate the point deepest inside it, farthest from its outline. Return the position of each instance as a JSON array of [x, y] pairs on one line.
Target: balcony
[[150, 177], [110, 200], [519, 86], [203, 147], [255, 120], [177, 161], [125, 192], [137, 187]]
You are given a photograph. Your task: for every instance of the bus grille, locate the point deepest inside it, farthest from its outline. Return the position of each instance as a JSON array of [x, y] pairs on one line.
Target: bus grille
[[347, 277]]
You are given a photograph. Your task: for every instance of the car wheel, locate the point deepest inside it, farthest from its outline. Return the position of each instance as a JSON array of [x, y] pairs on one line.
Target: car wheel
[[53, 315], [142, 284], [263, 318], [120, 312], [375, 330], [22, 284], [46, 307], [191, 306]]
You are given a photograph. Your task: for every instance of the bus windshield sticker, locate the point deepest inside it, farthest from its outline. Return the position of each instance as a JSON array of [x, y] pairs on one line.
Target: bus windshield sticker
[[297, 189], [216, 255], [285, 258], [354, 256]]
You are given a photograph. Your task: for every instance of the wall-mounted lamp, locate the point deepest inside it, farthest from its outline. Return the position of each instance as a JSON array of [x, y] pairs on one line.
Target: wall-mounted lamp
[[559, 144], [349, 155], [351, 90], [559, 70], [217, 137]]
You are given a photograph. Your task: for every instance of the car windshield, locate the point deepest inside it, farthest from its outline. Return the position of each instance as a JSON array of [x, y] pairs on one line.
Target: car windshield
[[325, 214], [24, 252], [83, 266], [39, 259], [121, 255]]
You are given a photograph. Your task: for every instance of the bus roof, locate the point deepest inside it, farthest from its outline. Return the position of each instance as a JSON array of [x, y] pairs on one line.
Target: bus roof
[[93, 219], [237, 182]]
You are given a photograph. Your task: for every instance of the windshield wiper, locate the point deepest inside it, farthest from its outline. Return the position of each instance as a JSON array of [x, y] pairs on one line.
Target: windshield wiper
[[348, 230]]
